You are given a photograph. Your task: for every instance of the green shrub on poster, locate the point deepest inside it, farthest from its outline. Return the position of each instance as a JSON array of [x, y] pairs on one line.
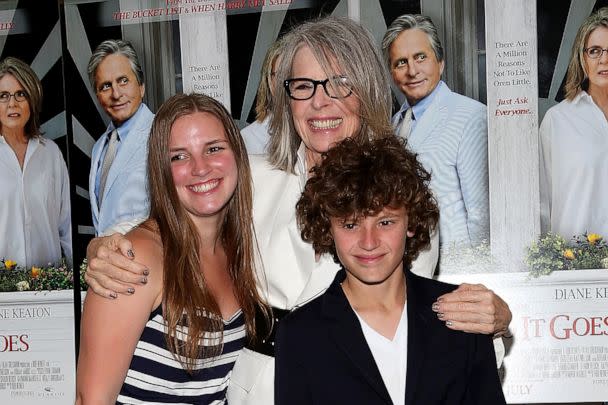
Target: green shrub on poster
[[552, 252], [17, 278]]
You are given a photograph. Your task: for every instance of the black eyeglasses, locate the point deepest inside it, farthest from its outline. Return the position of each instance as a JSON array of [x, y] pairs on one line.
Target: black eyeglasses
[[595, 52], [19, 95], [302, 88]]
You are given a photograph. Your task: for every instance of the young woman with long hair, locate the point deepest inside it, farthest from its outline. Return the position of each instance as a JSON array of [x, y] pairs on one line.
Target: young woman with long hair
[[177, 340]]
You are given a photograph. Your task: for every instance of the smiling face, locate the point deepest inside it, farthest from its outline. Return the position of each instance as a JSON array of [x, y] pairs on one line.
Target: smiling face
[[413, 65], [597, 69], [321, 121], [14, 114], [117, 88], [203, 165], [371, 248]]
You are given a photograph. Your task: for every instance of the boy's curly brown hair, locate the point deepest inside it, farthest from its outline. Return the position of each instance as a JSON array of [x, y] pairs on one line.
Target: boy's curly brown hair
[[360, 178]]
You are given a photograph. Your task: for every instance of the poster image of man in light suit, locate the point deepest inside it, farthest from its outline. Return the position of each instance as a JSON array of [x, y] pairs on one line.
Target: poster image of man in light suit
[[117, 181], [448, 131]]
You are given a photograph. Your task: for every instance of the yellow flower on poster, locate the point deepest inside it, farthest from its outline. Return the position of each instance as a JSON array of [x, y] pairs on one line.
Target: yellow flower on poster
[[569, 254], [593, 238]]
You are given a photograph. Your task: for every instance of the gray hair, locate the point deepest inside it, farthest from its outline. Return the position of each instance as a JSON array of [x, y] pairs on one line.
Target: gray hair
[[27, 78], [110, 47], [335, 43], [576, 79], [407, 22]]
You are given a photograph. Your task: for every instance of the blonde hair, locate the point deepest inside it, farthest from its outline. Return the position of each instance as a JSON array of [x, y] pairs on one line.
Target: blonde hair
[[576, 79], [263, 105]]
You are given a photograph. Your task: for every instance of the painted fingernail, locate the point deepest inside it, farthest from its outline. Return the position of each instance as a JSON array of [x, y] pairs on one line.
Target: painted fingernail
[[439, 299], [146, 272], [435, 307], [448, 323], [440, 315], [130, 253], [131, 290], [144, 280], [113, 295]]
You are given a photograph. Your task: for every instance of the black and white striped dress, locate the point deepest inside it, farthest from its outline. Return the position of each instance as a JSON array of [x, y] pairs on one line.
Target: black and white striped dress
[[156, 377]]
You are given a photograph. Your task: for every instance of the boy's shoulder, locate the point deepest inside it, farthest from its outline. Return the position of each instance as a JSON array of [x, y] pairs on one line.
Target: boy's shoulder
[[309, 312], [425, 288]]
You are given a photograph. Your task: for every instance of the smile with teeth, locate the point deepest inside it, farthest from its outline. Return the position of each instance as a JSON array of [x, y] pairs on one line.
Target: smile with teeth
[[204, 187], [325, 124]]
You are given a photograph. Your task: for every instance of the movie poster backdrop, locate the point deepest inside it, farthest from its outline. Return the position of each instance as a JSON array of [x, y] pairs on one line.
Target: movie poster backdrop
[[37, 352], [557, 350]]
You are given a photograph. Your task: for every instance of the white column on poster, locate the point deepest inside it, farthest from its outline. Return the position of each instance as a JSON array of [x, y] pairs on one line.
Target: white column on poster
[[354, 10], [512, 85], [37, 360], [204, 49]]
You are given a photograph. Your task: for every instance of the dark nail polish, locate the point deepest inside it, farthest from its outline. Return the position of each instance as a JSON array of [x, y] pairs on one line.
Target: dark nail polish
[[113, 295], [144, 280], [146, 272], [131, 290], [440, 315], [130, 253], [435, 307]]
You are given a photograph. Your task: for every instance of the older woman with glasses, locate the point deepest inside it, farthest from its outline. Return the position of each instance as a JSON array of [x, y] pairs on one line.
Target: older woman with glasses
[[35, 211], [331, 85], [574, 139]]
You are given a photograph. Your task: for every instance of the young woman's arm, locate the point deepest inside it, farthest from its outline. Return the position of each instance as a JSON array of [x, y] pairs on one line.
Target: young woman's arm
[[110, 329]]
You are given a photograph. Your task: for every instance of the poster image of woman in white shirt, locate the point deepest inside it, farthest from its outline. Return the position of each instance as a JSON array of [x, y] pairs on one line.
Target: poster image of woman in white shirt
[[574, 139], [35, 210]]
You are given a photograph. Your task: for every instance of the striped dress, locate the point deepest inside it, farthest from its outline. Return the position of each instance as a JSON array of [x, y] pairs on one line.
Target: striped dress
[[155, 377]]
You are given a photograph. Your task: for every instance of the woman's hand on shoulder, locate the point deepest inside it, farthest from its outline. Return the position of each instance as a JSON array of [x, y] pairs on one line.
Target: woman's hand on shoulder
[[113, 267], [474, 308]]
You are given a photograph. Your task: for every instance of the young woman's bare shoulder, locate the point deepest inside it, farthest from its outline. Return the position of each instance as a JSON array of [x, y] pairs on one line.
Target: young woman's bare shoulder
[[148, 250], [147, 245]]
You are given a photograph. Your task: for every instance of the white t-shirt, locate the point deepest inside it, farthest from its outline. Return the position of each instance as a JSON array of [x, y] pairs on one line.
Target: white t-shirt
[[390, 356]]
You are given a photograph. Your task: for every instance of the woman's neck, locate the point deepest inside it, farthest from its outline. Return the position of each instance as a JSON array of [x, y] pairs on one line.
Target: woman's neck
[[600, 98], [14, 136], [209, 233], [312, 159], [18, 143]]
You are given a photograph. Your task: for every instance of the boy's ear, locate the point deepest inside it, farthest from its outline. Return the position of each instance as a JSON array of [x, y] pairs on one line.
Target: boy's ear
[[410, 234]]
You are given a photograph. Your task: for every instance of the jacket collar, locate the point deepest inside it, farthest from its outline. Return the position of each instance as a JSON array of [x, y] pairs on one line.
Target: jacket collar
[[347, 334], [419, 315]]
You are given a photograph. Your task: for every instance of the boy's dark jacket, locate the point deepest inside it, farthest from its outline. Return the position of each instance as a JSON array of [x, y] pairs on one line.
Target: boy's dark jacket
[[322, 356]]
